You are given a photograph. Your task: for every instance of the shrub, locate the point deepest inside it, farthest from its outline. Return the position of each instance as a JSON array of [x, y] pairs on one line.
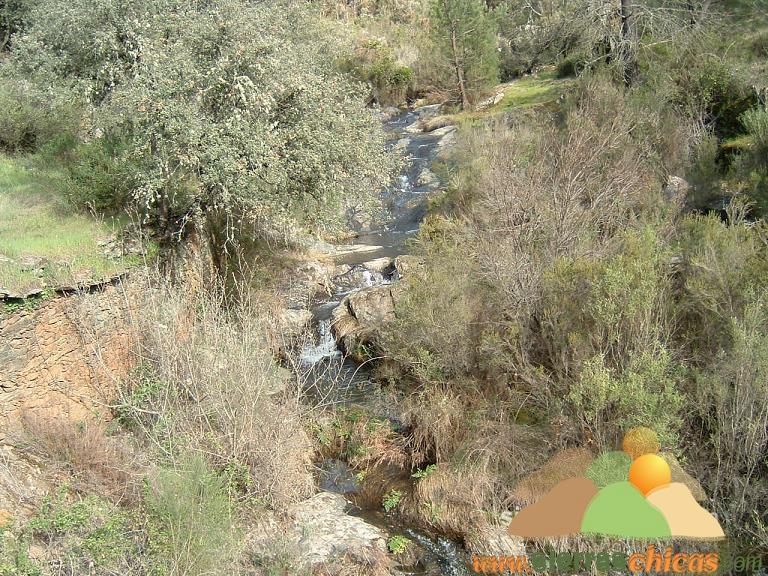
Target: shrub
[[751, 168], [14, 556], [755, 122], [398, 544], [759, 44], [93, 458], [192, 527], [98, 178], [712, 87], [210, 385], [646, 393], [31, 117], [391, 500], [725, 266], [85, 532], [732, 402], [375, 63]]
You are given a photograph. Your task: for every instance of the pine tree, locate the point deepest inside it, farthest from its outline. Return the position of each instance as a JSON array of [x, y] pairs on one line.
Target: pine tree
[[464, 34]]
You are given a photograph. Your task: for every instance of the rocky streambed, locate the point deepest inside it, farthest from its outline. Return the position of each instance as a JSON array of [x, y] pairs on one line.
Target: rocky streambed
[[360, 295]]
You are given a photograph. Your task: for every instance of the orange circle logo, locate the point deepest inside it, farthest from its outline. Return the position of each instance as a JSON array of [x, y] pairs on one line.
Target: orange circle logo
[[648, 472]]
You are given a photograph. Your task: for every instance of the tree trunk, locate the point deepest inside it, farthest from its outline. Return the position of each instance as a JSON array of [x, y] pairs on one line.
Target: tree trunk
[[459, 69], [628, 50], [457, 63]]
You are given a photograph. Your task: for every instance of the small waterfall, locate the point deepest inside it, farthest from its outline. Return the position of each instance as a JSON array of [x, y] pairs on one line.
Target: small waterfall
[[325, 348], [449, 557]]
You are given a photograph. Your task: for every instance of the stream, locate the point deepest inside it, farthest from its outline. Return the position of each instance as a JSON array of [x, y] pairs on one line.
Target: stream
[[337, 380]]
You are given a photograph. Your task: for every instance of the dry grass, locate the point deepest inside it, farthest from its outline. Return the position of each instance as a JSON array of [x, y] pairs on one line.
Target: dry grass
[[95, 461], [365, 562], [217, 390], [565, 464]]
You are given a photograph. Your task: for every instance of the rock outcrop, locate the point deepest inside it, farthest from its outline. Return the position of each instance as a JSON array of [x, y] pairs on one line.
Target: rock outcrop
[[63, 358], [324, 531], [361, 315]]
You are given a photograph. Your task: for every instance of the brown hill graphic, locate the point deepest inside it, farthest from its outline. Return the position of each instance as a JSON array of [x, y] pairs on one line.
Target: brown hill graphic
[[565, 464], [685, 517], [557, 513]]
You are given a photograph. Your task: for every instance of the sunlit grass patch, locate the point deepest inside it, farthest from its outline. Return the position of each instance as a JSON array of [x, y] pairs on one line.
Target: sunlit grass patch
[[42, 242], [532, 91]]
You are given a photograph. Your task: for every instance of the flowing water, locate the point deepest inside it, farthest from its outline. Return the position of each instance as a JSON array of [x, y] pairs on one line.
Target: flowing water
[[341, 381], [335, 378]]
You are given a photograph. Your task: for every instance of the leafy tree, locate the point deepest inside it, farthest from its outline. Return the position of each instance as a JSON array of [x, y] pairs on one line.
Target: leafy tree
[[236, 123], [12, 13], [464, 35]]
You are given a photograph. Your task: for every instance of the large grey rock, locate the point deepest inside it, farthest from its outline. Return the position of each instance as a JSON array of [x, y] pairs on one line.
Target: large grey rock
[[360, 316], [379, 265], [676, 189], [372, 307], [326, 532], [490, 101], [427, 178], [294, 322], [432, 124], [444, 131]]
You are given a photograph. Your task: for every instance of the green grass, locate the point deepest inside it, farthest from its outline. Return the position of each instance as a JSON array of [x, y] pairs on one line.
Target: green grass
[[524, 93], [531, 91], [36, 222]]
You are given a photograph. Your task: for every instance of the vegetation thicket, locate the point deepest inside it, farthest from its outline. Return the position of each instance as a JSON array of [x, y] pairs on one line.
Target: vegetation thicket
[[596, 262]]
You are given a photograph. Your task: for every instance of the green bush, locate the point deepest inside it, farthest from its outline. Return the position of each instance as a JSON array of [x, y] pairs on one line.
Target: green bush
[[98, 179], [398, 544], [192, 527], [725, 264], [755, 122], [571, 66], [646, 393], [14, 556], [732, 403], [375, 63], [31, 118], [759, 44], [391, 500], [715, 87], [91, 531]]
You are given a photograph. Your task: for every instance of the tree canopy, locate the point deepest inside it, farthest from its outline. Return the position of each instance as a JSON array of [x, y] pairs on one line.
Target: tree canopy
[[231, 117]]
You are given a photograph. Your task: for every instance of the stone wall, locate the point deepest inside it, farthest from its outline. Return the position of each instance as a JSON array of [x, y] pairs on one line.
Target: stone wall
[[63, 358]]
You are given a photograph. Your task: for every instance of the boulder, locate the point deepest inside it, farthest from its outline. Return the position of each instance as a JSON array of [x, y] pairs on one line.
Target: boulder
[[293, 322], [361, 315], [380, 265], [431, 124], [345, 327], [443, 132], [389, 112], [427, 178], [676, 190], [372, 306], [326, 532], [490, 101], [317, 533], [402, 145], [279, 382], [32, 263]]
